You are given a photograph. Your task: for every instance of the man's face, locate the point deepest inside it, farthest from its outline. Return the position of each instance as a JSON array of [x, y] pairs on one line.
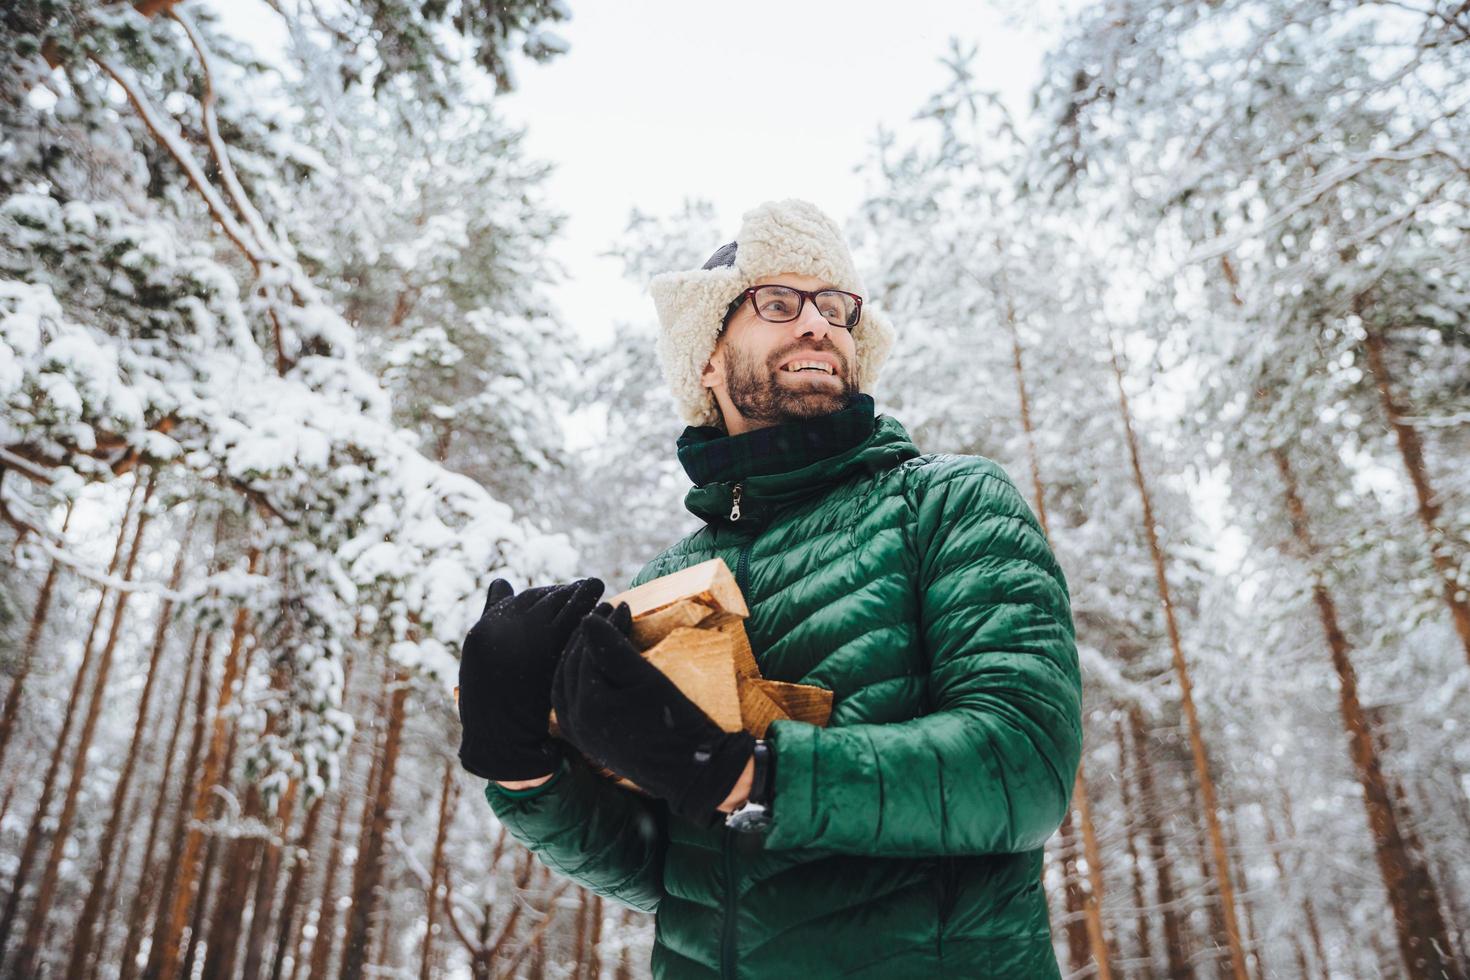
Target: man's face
[[749, 369]]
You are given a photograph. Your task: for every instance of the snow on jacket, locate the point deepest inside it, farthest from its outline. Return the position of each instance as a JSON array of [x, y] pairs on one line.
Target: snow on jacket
[[907, 835]]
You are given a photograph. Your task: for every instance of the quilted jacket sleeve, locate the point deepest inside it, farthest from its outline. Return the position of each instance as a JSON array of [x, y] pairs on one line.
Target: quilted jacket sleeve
[[580, 825], [991, 768]]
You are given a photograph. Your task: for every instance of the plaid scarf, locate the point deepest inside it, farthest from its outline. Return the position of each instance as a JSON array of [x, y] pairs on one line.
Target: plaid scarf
[[710, 456]]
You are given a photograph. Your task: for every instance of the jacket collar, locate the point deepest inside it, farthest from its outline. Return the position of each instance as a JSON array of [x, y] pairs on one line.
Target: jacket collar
[[782, 464]]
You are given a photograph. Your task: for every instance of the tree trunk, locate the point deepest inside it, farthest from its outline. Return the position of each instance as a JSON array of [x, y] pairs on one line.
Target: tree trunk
[[30, 946], [295, 882], [35, 834], [257, 859], [1089, 903], [1422, 937], [1309, 914], [1441, 548], [1186, 693], [1254, 946], [266, 884], [1140, 900], [28, 652], [579, 941], [180, 816], [207, 890], [326, 920], [322, 946], [1174, 944], [594, 959], [83, 933], [369, 869], [167, 941], [1213, 907], [625, 958], [148, 881], [1068, 848], [240, 864], [436, 871]]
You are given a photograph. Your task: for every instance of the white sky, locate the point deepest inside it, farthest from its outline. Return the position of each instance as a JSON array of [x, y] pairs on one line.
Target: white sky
[[662, 100]]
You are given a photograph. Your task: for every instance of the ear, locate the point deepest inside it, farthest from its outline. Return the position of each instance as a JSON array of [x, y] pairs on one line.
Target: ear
[[714, 369]]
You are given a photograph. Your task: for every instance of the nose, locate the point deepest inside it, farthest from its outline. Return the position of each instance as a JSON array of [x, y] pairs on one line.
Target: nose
[[811, 321]]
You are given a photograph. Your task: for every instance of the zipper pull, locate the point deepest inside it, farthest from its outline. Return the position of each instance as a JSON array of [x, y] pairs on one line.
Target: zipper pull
[[735, 503]]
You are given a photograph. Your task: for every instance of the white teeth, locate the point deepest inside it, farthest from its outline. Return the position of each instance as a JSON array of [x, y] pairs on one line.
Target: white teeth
[[798, 365]]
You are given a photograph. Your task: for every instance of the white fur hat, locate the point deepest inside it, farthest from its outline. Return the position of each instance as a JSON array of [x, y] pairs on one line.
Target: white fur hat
[[777, 237]]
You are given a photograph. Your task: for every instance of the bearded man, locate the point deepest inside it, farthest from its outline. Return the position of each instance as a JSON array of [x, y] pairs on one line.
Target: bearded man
[[904, 839]]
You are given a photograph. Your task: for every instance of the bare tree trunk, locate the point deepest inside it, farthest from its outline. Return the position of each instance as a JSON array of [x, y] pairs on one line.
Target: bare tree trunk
[[148, 882], [326, 920], [266, 882], [1213, 907], [240, 863], [35, 834], [1441, 547], [1090, 903], [1422, 936], [30, 946], [594, 971], [322, 946], [167, 941], [134, 819], [625, 958], [208, 891], [1174, 944], [253, 859], [1186, 691], [28, 652], [368, 872], [1254, 946], [83, 932], [1075, 903], [436, 872], [1129, 822], [180, 816], [579, 943], [1309, 914], [295, 882]]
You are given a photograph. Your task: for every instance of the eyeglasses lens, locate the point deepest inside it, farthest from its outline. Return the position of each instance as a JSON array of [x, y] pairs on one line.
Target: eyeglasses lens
[[780, 304]]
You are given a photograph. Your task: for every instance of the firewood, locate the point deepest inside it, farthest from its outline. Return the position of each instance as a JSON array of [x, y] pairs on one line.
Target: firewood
[[701, 663], [652, 627], [745, 664], [801, 702], [757, 710], [709, 584]]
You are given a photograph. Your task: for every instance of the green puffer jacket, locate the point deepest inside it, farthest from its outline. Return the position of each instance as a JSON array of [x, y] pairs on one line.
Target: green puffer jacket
[[907, 835]]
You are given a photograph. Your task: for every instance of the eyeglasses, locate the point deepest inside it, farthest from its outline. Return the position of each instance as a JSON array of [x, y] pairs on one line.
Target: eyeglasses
[[782, 304]]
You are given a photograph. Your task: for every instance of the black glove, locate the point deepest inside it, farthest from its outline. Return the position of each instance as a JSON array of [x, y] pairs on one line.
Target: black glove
[[623, 713], [505, 672]]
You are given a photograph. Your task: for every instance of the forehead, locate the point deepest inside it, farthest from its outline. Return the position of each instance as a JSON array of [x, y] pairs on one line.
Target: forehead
[[794, 280]]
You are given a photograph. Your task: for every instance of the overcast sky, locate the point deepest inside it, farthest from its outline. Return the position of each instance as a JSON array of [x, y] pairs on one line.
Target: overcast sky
[[739, 103], [657, 101]]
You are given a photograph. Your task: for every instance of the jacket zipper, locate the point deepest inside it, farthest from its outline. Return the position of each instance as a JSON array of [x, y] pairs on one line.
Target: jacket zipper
[[732, 890], [727, 939]]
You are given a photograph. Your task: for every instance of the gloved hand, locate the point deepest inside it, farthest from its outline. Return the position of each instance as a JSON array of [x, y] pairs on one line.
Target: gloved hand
[[505, 672], [623, 713]]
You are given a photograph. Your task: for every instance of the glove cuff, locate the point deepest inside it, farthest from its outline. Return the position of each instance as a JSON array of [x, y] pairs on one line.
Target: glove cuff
[[717, 767], [512, 763]]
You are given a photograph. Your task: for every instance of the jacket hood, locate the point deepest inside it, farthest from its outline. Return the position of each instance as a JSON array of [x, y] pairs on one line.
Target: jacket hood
[[783, 464]]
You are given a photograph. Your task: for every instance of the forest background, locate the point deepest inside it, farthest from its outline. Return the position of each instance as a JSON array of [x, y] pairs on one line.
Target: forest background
[[292, 367]]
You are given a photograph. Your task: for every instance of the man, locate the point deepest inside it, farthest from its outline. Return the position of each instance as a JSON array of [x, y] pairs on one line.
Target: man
[[905, 838]]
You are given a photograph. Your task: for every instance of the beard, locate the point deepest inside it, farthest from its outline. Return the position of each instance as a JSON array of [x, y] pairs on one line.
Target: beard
[[766, 395]]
